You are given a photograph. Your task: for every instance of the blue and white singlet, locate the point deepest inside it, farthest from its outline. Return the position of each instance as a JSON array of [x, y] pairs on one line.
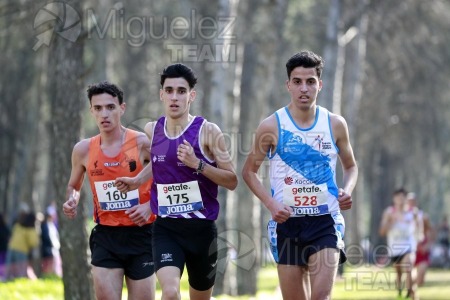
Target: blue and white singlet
[[302, 167]]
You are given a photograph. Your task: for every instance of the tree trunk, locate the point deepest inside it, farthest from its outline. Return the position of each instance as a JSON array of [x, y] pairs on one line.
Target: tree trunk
[[357, 52], [220, 100], [330, 55], [67, 103], [260, 49]]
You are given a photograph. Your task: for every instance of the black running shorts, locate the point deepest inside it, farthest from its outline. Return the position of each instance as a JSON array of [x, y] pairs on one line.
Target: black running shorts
[[193, 242], [125, 247]]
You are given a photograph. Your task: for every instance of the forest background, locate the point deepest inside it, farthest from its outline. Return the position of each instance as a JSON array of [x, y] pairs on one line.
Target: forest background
[[387, 70]]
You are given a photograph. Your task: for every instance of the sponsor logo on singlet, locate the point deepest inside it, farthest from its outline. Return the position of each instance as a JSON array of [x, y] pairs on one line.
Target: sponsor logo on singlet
[[95, 171], [112, 164]]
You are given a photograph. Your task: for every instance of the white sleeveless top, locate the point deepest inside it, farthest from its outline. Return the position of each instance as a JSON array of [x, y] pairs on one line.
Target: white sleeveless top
[[401, 238], [302, 168]]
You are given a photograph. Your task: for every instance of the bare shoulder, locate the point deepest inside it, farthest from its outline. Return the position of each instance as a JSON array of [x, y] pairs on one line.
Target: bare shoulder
[[388, 210], [338, 122], [81, 151], [142, 139], [211, 134], [210, 127], [82, 147], [339, 129], [268, 125], [149, 128]]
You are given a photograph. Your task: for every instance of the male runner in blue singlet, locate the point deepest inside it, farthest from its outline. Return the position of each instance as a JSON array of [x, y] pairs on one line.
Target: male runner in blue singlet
[[303, 141]]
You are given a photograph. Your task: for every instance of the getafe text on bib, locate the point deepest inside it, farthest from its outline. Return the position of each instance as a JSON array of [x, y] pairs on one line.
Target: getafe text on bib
[[110, 198], [179, 198]]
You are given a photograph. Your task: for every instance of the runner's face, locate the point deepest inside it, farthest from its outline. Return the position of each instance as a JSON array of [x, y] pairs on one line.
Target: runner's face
[[177, 97], [107, 111], [304, 85], [399, 200], [411, 202]]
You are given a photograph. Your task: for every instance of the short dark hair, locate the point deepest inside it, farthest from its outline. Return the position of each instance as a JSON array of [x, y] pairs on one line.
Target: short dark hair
[[177, 71], [400, 190], [105, 87], [306, 59], [27, 219]]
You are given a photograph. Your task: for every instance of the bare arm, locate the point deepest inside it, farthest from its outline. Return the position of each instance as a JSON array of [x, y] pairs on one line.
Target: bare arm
[[79, 158], [214, 143], [139, 214], [350, 169], [125, 184], [429, 231], [265, 139], [386, 222]]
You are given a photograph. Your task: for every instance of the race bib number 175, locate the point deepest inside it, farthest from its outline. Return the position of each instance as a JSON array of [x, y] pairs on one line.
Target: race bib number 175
[[179, 198]]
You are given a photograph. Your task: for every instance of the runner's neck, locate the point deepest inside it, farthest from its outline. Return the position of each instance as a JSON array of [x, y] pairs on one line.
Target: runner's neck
[[174, 127]]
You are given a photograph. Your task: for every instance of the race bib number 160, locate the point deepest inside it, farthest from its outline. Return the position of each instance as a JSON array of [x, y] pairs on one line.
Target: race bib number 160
[[110, 198]]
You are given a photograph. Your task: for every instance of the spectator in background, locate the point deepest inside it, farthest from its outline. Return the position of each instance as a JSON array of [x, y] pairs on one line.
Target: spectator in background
[[399, 225], [50, 246], [51, 210], [425, 239], [24, 238], [443, 234], [4, 238]]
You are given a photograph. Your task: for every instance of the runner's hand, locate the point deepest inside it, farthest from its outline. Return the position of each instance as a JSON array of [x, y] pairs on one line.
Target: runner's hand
[[345, 200], [280, 212], [139, 214], [70, 206], [126, 184], [185, 153]]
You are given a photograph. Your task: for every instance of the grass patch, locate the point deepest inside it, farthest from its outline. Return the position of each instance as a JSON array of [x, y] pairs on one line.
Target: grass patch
[[364, 283], [50, 288]]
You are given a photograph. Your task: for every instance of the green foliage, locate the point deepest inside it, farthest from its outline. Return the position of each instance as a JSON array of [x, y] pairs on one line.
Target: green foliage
[[364, 283]]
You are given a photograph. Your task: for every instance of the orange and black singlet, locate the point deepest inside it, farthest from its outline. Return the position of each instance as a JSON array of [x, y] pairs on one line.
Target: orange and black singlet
[[109, 203]]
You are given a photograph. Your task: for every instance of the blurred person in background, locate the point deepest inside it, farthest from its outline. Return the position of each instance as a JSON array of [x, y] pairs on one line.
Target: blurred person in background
[[443, 233], [5, 233], [24, 238], [50, 246], [400, 224], [425, 239]]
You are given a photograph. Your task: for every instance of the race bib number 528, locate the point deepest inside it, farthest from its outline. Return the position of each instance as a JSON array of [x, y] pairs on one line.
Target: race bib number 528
[[306, 199]]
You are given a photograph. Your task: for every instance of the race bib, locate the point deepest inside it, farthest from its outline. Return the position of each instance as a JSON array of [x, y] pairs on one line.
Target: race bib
[[306, 199], [110, 198], [178, 198]]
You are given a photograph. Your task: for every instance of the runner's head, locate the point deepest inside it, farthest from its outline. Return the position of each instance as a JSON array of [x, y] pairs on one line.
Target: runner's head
[[177, 90], [399, 197], [107, 105], [179, 71], [105, 87], [306, 59], [411, 200]]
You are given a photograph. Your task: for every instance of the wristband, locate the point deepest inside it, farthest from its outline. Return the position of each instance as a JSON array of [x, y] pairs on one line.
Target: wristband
[[201, 167]]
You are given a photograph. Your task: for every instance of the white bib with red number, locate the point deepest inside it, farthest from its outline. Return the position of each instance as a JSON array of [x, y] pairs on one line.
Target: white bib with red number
[[306, 199]]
